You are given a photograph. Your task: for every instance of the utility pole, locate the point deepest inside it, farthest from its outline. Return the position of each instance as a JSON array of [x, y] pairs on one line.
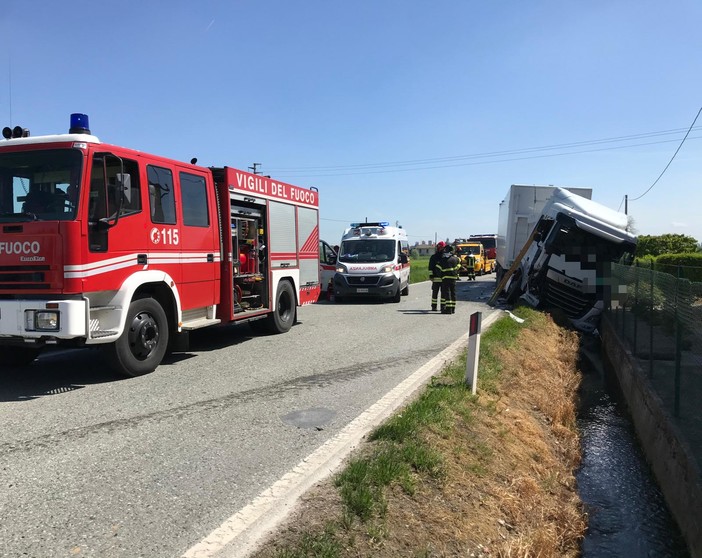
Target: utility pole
[[254, 168], [626, 204]]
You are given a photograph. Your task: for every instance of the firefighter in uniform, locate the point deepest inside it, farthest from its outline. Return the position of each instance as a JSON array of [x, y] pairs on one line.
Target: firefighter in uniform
[[449, 266], [470, 264], [434, 273]]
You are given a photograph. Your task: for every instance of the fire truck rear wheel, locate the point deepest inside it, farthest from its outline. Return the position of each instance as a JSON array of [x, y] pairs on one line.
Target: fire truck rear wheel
[[284, 311], [144, 341]]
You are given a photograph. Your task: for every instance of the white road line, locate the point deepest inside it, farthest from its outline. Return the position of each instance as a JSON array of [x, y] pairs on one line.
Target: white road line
[[240, 535]]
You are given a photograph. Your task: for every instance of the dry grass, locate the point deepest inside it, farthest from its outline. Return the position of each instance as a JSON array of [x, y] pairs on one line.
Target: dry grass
[[508, 488]]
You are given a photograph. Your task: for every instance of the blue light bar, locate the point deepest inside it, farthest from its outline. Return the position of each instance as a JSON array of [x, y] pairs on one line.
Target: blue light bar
[[79, 124], [373, 224]]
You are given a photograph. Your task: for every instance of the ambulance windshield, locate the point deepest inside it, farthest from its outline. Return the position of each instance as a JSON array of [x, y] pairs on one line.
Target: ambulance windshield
[[39, 185], [367, 251]]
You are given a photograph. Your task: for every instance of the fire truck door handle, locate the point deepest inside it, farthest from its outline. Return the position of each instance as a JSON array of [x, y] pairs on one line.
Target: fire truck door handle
[[210, 258], [142, 259]]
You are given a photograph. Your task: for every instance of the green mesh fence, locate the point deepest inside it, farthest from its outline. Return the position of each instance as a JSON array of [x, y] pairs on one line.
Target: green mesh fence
[[659, 315]]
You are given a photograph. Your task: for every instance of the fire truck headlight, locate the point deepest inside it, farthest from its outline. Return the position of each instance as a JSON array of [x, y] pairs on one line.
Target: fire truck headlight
[[47, 320], [41, 320]]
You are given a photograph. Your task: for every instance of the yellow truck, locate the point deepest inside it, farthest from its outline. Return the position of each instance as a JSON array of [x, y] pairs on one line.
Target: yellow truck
[[474, 260]]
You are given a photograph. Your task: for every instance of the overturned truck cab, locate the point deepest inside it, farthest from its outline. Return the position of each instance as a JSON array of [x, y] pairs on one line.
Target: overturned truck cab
[[567, 264]]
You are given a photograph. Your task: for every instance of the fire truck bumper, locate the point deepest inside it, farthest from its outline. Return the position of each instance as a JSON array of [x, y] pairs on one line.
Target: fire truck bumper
[[366, 286], [42, 319]]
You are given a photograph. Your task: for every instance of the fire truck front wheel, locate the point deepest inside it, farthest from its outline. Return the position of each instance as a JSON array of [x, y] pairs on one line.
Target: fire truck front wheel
[[144, 341]]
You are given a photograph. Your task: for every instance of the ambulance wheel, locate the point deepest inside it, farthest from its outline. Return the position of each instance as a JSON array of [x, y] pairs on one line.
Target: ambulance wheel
[[283, 316], [144, 341], [19, 356], [405, 291], [398, 295]]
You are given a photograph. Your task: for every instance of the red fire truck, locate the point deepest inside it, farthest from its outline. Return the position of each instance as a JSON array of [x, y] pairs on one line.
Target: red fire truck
[[115, 248]]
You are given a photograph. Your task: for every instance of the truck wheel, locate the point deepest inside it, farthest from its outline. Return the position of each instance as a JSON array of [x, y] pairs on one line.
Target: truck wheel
[[144, 341], [515, 290], [284, 312], [405, 291], [18, 356]]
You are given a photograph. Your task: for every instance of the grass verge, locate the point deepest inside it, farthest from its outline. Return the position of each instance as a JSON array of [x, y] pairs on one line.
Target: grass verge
[[457, 474]]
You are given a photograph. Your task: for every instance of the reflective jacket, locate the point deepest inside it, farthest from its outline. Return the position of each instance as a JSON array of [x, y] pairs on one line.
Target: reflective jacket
[[449, 265], [434, 272]]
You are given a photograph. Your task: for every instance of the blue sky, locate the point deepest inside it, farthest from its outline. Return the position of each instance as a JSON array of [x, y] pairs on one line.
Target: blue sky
[[421, 112]]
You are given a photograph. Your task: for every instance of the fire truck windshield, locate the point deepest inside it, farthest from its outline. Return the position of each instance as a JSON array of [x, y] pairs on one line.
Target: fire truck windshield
[[367, 251], [39, 185]]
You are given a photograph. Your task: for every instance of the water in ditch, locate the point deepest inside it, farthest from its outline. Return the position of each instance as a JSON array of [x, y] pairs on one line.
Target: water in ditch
[[628, 516]]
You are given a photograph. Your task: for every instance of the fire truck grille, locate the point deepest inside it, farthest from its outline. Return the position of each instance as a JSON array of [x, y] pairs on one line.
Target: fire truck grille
[[30, 277], [572, 302]]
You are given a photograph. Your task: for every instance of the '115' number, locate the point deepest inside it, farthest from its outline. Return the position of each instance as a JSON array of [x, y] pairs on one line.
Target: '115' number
[[164, 236]]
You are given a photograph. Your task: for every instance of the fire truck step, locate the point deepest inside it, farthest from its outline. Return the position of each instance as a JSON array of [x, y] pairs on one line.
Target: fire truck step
[[104, 308], [197, 324], [101, 333]]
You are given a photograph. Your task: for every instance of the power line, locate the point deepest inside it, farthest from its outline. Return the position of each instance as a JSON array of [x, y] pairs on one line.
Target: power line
[[489, 154], [328, 174], [671, 159]]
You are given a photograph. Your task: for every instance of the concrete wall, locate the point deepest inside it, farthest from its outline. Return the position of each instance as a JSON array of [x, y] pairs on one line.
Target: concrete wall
[[676, 471]]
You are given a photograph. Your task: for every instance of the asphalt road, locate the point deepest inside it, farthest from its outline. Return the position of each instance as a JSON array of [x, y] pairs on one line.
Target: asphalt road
[[92, 465]]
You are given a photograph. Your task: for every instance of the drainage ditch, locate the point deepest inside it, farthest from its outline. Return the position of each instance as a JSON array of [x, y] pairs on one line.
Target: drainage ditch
[[627, 513]]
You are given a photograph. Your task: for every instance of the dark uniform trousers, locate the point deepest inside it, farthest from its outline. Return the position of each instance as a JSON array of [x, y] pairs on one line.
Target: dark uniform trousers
[[435, 276], [435, 289], [449, 275]]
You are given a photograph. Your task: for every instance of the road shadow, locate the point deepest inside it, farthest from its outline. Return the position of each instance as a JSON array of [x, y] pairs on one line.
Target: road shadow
[[474, 291], [56, 370]]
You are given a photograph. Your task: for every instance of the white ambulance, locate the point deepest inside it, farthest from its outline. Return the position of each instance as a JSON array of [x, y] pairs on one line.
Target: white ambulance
[[373, 262]]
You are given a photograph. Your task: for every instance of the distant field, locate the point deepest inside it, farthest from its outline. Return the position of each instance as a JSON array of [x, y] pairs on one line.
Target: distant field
[[419, 270]]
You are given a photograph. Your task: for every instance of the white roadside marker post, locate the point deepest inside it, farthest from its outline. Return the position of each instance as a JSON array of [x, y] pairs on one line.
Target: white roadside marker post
[[473, 351]]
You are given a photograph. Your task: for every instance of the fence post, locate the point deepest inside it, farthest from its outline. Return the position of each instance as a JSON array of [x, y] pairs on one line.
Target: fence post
[[650, 327], [678, 341], [623, 306], [636, 305]]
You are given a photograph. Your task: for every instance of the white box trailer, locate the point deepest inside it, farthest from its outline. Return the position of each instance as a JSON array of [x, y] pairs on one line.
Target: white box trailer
[[565, 264], [518, 213]]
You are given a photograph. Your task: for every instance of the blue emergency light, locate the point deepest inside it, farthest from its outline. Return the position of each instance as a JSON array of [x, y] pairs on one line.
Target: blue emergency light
[[79, 124], [374, 224]]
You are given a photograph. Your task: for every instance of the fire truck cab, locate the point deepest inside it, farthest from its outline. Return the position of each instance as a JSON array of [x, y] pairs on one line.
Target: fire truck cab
[[373, 261], [106, 246]]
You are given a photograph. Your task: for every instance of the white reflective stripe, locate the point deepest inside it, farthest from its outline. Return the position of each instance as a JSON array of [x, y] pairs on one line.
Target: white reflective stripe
[[113, 264]]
